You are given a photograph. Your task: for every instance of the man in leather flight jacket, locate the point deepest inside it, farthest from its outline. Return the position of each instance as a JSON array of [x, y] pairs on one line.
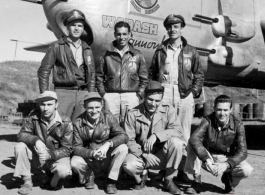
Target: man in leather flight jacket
[[177, 66], [45, 142], [99, 144], [122, 74], [72, 62], [220, 144]]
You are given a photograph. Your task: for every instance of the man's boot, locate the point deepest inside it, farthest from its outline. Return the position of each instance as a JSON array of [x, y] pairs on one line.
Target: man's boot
[[111, 187], [90, 184], [195, 186], [226, 179], [141, 185], [170, 187]]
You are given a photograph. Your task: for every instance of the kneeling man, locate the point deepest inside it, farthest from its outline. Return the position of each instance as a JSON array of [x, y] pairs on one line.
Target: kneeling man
[[99, 144], [45, 142], [155, 139], [220, 144]]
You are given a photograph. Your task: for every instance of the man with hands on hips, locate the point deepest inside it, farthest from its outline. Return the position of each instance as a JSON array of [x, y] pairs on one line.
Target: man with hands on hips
[[155, 139], [45, 142], [220, 144], [99, 144]]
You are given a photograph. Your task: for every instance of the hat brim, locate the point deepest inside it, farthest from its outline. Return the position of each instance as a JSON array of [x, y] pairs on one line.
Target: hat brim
[[44, 99], [73, 19], [93, 98], [155, 90]]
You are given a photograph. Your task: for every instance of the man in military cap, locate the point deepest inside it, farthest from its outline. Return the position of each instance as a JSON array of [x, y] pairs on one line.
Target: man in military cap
[[99, 144], [45, 142], [122, 74], [72, 62], [155, 139], [220, 144]]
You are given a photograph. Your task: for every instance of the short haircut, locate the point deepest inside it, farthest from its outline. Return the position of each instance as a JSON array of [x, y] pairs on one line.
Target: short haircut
[[122, 24], [153, 93], [223, 99]]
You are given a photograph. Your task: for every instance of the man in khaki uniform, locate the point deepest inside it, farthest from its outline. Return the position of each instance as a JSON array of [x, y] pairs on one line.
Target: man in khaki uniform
[[155, 139]]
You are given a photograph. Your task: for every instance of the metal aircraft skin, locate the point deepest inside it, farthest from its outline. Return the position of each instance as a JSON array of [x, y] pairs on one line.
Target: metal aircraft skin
[[230, 32]]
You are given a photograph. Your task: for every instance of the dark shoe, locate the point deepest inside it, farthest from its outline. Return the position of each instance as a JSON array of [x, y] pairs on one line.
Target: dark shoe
[[226, 179], [111, 187], [195, 187], [25, 189], [141, 185], [59, 186], [183, 178], [46, 180], [171, 187], [160, 176], [90, 184]]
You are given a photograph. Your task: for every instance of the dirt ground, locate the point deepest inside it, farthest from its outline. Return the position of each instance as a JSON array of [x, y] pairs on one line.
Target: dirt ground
[[255, 184]]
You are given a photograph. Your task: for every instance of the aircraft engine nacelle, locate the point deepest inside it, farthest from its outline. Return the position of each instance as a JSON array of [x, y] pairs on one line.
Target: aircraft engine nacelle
[[234, 30]]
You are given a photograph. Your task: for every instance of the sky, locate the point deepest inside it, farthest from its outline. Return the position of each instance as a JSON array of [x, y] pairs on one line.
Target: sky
[[23, 21]]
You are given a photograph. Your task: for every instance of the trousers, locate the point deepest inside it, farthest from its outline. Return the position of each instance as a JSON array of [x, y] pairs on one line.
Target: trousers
[[112, 163], [27, 157], [193, 166], [71, 102], [169, 155]]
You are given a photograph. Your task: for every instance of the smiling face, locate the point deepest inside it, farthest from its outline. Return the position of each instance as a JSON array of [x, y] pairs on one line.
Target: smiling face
[[153, 101], [75, 28], [93, 108], [222, 112], [122, 36], [174, 30], [48, 109]]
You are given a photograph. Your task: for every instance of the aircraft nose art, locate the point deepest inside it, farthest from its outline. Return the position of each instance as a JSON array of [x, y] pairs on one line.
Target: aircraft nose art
[[87, 35]]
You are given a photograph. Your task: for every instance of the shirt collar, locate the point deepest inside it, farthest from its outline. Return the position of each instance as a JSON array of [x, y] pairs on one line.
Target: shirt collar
[[57, 118], [169, 46], [77, 45]]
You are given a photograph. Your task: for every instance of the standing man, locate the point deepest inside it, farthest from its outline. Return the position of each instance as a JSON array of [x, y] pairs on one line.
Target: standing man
[[72, 62], [155, 139], [220, 144], [45, 142], [122, 74], [99, 144], [177, 66]]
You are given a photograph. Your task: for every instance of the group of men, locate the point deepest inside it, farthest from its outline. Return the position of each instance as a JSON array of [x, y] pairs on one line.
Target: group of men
[[76, 130]]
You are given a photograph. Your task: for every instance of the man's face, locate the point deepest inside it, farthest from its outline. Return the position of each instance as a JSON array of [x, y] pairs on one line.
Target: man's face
[[75, 28], [122, 36], [93, 109], [153, 101], [174, 30], [48, 108], [222, 112]]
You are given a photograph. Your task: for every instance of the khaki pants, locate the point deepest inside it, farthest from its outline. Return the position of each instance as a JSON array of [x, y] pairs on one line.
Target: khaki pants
[[112, 164], [170, 156], [193, 166], [27, 157], [116, 103]]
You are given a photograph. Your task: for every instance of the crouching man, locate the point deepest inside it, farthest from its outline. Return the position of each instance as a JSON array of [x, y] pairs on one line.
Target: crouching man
[[99, 144], [220, 144], [155, 139], [45, 142]]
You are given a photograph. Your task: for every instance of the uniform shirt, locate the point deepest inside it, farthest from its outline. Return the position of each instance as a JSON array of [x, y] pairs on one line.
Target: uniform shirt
[[77, 52], [57, 118]]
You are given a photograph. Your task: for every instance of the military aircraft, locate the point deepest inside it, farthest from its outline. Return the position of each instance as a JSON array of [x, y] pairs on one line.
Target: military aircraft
[[228, 34]]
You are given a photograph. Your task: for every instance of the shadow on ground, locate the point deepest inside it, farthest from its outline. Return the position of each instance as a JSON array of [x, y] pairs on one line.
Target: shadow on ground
[[9, 137]]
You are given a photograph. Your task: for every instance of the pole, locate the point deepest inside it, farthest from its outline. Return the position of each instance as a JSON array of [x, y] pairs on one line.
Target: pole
[[15, 48]]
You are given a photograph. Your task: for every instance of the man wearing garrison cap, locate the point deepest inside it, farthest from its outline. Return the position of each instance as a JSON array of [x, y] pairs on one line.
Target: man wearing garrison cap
[[72, 62], [155, 139], [176, 65]]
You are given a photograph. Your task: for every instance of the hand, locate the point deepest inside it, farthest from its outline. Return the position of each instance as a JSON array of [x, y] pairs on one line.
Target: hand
[[221, 167], [40, 146], [151, 160], [101, 152], [148, 145], [44, 156], [211, 167]]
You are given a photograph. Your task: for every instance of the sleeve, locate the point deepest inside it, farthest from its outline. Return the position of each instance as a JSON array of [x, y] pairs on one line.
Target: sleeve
[[79, 149], [240, 147], [133, 146], [46, 67], [198, 75], [173, 127], [100, 76], [196, 140], [92, 82], [65, 143], [117, 134], [143, 77], [153, 68], [26, 133]]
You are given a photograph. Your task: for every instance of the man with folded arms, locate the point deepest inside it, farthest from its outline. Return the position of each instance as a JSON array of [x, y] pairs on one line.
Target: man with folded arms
[[45, 142], [220, 144], [155, 139], [99, 144]]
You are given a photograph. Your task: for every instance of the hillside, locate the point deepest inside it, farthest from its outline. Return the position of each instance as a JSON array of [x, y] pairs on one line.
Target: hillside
[[19, 83]]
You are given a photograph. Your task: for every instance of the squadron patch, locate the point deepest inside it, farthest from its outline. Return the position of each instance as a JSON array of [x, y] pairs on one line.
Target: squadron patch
[[132, 66], [187, 61], [89, 59]]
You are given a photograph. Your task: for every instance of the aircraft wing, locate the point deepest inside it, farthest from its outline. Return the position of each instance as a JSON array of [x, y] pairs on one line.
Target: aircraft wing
[[39, 48]]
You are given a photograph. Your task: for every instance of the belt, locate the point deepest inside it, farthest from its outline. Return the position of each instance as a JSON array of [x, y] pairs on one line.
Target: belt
[[79, 88]]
